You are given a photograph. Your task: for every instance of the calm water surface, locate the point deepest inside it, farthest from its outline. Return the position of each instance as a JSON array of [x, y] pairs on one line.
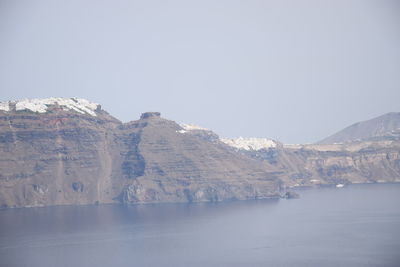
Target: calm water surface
[[352, 226]]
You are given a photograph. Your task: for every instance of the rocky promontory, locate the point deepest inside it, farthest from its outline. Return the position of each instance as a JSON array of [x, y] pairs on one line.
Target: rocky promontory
[[60, 151]]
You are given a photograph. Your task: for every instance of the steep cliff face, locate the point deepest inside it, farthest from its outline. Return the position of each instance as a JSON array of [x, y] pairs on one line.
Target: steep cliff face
[[58, 156], [363, 162], [178, 165], [69, 151], [318, 165]]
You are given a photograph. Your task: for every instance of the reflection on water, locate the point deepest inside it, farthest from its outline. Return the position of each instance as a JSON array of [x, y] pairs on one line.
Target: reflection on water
[[353, 226]]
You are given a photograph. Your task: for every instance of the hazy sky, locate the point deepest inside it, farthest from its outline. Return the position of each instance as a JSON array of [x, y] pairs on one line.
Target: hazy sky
[[296, 71]]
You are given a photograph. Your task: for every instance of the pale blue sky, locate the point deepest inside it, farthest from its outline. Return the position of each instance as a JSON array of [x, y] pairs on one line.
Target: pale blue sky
[[296, 71]]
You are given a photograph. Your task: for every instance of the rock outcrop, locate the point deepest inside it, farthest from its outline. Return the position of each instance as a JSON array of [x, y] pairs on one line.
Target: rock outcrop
[[69, 151]]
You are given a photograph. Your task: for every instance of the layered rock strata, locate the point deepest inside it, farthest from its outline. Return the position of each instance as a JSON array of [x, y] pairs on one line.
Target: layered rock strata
[[375, 161], [69, 151]]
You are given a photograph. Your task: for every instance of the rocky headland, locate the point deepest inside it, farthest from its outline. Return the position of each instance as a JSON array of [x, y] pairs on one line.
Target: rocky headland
[[60, 151]]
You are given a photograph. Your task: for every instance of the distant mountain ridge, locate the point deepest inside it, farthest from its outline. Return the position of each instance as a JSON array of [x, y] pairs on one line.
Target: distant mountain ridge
[[385, 126]]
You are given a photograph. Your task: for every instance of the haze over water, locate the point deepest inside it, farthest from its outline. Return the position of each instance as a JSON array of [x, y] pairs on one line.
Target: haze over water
[[353, 226]]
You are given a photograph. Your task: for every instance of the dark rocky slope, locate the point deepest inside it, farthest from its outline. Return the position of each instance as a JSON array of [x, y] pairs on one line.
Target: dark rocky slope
[[68, 155]]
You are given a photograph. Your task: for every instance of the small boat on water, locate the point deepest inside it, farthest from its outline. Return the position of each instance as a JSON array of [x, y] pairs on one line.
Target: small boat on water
[[339, 185]]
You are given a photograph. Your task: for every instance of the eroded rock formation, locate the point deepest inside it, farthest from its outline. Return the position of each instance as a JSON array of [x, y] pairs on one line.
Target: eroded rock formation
[[69, 151]]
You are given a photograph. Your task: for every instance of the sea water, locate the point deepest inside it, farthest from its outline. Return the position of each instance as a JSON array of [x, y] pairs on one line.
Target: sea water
[[358, 225]]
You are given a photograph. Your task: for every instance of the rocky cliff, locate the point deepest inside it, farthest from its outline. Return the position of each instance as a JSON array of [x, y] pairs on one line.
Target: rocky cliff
[[69, 151], [60, 151], [357, 162], [373, 161]]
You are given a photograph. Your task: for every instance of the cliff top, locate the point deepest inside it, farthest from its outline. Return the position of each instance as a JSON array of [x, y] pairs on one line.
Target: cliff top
[[41, 105], [250, 143]]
